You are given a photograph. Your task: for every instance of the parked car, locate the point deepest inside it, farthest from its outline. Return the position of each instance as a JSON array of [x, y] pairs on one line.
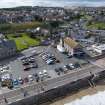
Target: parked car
[[77, 65], [66, 68], [31, 60], [30, 77], [69, 55], [5, 67], [57, 71], [20, 80], [26, 80], [48, 58], [72, 66], [27, 67], [49, 61], [25, 62], [61, 69], [36, 77], [15, 82], [45, 74], [33, 65], [40, 74], [3, 70]]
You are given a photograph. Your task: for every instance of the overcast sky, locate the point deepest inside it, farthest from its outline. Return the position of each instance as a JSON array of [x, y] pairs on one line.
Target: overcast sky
[[14, 3]]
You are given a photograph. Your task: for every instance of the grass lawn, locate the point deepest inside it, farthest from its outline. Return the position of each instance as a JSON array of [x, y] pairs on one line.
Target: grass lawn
[[97, 25], [24, 41], [86, 17]]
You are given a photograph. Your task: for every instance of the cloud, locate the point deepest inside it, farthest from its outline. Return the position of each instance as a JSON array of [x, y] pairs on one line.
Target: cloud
[[14, 3]]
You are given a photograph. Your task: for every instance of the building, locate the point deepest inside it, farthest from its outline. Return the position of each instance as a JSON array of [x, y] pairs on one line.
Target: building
[[95, 50], [71, 46], [99, 49], [7, 48]]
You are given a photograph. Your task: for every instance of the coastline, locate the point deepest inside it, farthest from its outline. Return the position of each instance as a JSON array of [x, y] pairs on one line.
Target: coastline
[[100, 87]]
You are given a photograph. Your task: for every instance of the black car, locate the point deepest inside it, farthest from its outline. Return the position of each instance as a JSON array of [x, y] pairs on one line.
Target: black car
[[61, 69]]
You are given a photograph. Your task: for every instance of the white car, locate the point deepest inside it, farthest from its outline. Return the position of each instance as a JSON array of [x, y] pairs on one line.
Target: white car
[[45, 73], [49, 61], [6, 76], [40, 74], [6, 67], [72, 66], [3, 70], [30, 77]]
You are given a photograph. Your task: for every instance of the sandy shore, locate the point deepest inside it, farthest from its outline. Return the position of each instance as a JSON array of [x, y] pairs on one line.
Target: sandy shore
[[77, 95]]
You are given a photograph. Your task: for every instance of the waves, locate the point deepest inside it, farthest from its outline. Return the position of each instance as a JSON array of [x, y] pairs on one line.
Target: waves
[[96, 99]]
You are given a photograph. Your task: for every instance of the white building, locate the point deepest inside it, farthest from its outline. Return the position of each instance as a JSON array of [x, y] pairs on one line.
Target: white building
[[68, 45], [60, 47], [99, 48]]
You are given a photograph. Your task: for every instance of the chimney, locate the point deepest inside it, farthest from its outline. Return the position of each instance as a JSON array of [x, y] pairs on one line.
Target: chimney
[[62, 42]]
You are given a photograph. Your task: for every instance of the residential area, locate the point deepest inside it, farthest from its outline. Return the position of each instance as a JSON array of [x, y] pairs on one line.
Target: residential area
[[40, 44]]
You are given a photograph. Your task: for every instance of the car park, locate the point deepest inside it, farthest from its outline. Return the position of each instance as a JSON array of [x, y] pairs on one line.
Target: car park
[[29, 62], [48, 58]]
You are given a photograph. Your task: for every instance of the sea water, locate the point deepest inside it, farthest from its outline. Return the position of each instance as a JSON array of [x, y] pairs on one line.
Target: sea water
[[96, 99]]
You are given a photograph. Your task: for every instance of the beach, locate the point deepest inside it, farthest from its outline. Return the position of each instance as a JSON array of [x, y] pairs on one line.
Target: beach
[[78, 95]]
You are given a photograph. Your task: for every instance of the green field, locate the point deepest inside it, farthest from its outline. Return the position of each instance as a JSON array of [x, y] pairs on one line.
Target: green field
[[23, 41], [97, 25]]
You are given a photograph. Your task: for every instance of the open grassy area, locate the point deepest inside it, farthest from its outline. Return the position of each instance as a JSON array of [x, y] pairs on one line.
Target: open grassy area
[[97, 25], [86, 17], [23, 41]]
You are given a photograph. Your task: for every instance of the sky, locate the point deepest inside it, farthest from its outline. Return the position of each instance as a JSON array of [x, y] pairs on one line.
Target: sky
[[14, 3]]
